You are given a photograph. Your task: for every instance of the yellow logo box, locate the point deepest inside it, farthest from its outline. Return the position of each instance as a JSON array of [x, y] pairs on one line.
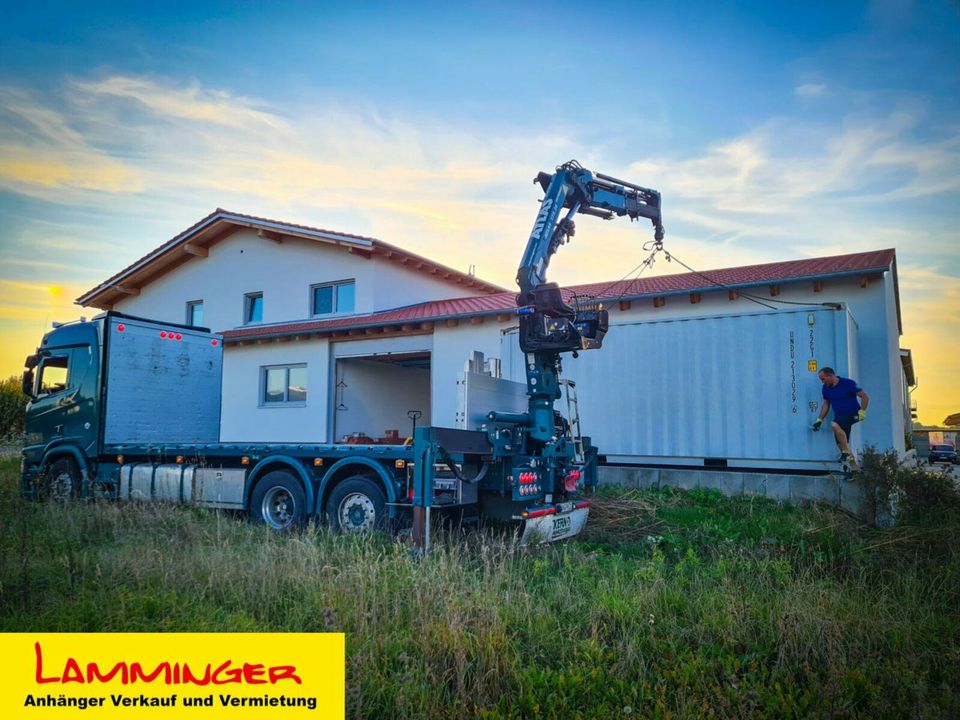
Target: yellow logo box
[[49, 676]]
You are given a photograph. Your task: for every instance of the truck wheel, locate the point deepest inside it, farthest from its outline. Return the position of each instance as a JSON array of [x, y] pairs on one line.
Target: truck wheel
[[357, 505], [62, 481], [278, 500]]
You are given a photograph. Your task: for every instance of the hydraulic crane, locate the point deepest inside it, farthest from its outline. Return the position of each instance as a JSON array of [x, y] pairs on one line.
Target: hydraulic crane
[[536, 450], [548, 325]]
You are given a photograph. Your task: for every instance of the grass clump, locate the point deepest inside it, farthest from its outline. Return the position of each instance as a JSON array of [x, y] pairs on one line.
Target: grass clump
[[672, 604]]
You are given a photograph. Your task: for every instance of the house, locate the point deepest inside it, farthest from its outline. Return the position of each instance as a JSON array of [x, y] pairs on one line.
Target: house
[[330, 336]]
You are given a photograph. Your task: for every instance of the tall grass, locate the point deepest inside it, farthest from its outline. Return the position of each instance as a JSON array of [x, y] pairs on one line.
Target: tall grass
[[712, 607]]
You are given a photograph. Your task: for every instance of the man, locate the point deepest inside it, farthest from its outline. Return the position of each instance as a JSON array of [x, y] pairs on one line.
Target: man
[[849, 403]]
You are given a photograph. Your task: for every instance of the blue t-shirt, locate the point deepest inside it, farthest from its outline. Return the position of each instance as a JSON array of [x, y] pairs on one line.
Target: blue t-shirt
[[843, 398]]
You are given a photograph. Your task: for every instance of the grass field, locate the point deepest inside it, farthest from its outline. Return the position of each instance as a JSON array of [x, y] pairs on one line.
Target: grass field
[[671, 605]]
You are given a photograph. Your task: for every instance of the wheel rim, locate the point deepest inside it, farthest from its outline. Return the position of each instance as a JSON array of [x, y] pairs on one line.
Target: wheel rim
[[356, 513], [278, 508], [61, 486]]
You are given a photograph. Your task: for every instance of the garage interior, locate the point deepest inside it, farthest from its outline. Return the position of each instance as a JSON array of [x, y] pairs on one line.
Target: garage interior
[[375, 396]]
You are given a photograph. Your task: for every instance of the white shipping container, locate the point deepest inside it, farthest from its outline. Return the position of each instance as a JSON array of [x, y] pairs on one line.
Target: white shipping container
[[729, 390]]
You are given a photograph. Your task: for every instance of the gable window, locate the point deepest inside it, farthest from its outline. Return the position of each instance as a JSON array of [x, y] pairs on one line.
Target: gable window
[[253, 308], [333, 298], [283, 385], [195, 313]]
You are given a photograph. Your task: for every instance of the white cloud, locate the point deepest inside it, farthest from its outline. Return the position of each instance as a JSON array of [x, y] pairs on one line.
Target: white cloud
[[809, 90]]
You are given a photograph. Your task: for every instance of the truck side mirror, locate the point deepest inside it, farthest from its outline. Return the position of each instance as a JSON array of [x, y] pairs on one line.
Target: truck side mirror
[[26, 384], [31, 362]]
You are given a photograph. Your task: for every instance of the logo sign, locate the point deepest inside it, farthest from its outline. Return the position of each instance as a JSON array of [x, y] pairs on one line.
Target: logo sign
[[49, 676], [541, 219]]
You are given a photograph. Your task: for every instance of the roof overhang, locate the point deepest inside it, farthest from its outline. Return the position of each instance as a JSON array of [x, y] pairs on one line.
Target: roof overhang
[[197, 240], [906, 360]]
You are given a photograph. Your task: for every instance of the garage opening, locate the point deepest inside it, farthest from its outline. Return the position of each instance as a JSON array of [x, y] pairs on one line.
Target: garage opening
[[377, 397]]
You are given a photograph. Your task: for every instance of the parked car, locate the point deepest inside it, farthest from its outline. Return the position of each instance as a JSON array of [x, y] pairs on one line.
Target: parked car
[[943, 453]]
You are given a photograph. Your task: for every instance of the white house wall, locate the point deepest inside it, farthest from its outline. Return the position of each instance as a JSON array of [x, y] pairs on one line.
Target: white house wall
[[398, 286], [284, 272], [245, 419]]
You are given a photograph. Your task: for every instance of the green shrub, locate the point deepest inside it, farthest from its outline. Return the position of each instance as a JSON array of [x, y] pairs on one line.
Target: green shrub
[[907, 494], [12, 404]]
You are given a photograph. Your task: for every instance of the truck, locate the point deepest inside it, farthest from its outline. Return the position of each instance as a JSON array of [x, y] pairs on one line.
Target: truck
[[128, 408]]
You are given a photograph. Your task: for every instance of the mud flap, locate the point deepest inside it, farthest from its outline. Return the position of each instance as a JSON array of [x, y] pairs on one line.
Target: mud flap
[[558, 526]]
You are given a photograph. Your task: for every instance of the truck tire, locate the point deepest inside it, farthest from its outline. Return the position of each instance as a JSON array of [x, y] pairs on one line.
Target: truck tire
[[278, 501], [61, 481], [357, 505]]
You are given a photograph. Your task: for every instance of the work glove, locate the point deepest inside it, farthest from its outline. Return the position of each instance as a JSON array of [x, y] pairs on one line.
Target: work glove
[[816, 424], [862, 415]]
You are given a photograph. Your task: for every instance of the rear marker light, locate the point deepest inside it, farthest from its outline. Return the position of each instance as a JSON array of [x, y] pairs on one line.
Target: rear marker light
[[179, 336], [179, 458], [121, 327], [317, 462], [244, 460], [580, 505], [214, 342], [163, 333], [119, 459], [540, 513], [400, 464]]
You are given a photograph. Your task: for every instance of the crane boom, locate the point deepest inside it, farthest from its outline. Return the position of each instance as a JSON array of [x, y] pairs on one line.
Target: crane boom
[[547, 323]]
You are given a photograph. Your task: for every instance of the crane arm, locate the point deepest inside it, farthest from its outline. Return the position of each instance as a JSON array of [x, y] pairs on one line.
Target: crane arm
[[577, 190], [547, 323]]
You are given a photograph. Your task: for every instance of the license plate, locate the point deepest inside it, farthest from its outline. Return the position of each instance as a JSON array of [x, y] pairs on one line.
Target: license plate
[[561, 526]]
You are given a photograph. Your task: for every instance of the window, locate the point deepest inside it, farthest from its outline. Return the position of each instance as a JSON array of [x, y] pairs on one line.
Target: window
[[53, 375], [333, 298], [195, 313], [253, 308], [283, 384]]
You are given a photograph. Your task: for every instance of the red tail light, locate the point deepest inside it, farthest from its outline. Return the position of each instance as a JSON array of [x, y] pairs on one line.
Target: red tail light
[[570, 481], [121, 327], [214, 342], [163, 333], [179, 336]]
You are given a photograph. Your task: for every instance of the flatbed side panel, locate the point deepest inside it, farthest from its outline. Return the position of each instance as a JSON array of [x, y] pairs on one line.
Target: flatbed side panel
[[256, 450], [161, 389]]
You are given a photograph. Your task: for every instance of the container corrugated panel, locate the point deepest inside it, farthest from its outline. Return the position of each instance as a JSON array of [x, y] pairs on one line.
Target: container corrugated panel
[[740, 389], [161, 390]]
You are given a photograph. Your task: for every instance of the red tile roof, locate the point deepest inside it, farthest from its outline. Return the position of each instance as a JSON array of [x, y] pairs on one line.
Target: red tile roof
[[505, 302]]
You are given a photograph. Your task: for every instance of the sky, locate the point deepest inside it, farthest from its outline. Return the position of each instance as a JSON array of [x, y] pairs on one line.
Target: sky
[[774, 131]]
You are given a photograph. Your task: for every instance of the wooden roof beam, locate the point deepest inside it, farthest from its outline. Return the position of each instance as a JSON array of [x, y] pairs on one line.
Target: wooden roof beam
[[270, 235], [196, 250]]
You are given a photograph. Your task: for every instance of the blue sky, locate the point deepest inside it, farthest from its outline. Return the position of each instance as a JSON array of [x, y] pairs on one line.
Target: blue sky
[[774, 131]]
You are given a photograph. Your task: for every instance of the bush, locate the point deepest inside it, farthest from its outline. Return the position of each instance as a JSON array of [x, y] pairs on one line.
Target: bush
[[12, 405], [907, 495]]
